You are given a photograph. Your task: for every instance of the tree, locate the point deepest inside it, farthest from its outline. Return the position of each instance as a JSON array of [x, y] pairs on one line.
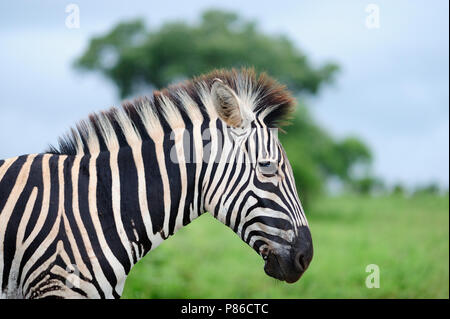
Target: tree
[[427, 189], [398, 190], [133, 56], [316, 157]]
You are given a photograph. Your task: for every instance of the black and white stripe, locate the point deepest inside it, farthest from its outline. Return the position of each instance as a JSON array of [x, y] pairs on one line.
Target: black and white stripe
[[74, 220]]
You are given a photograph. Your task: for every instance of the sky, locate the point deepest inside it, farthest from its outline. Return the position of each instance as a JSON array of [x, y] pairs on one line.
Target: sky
[[392, 90]]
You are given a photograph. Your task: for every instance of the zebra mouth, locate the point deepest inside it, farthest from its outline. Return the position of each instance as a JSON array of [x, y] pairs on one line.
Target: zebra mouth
[[280, 268]]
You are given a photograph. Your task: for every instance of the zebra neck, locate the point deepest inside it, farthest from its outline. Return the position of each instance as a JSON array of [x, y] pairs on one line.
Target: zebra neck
[[223, 170], [143, 195]]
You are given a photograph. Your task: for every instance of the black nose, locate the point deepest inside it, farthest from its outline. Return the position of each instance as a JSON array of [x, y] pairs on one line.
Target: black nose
[[301, 262], [302, 249]]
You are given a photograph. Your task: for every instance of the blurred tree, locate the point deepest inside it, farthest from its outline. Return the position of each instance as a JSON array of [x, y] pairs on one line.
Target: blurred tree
[[429, 189], [398, 190], [367, 185], [131, 55], [134, 57], [315, 157]]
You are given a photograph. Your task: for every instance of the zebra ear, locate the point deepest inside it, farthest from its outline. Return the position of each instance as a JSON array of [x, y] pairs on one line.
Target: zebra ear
[[227, 104]]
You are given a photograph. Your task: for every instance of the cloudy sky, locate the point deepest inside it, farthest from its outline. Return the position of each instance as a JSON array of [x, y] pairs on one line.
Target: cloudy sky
[[392, 90]]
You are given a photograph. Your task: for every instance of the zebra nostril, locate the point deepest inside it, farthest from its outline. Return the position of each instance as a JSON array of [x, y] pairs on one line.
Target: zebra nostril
[[302, 250], [300, 262]]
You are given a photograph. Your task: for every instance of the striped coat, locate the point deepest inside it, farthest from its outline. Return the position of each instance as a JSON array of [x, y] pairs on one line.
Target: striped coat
[[75, 219]]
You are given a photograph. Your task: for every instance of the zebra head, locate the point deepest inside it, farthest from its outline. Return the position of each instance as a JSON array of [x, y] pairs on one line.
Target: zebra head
[[256, 194]]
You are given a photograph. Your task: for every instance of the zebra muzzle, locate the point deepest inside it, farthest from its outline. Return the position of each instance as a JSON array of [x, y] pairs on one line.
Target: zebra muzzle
[[289, 265]]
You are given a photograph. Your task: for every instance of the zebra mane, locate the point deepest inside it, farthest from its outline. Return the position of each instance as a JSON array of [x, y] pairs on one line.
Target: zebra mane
[[177, 106]]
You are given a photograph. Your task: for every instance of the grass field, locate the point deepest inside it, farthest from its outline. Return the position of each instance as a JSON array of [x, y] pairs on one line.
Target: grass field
[[408, 238]]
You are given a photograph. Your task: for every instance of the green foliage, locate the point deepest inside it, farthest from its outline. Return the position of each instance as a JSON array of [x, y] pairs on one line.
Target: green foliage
[[366, 185], [133, 56], [136, 55], [430, 189], [315, 156], [406, 237], [398, 190]]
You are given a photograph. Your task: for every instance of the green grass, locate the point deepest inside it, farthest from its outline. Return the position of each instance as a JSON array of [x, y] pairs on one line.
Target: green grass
[[408, 238]]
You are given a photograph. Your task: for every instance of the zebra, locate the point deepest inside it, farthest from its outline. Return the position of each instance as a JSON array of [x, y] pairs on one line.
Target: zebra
[[77, 217]]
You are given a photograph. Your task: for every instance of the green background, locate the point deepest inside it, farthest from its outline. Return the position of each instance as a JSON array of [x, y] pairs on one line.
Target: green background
[[406, 237]]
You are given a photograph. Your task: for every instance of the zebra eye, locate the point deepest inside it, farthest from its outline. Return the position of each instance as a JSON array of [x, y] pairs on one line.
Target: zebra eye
[[268, 168], [264, 164]]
